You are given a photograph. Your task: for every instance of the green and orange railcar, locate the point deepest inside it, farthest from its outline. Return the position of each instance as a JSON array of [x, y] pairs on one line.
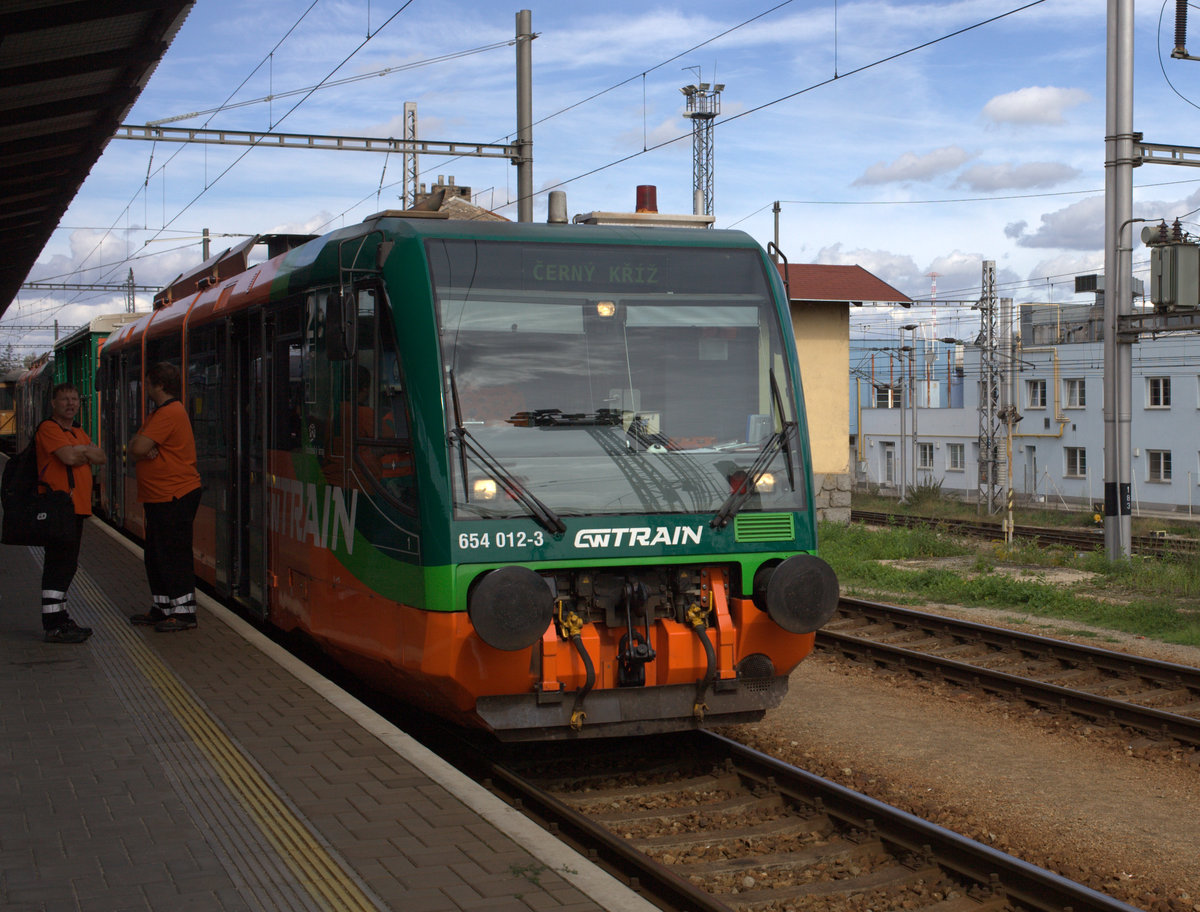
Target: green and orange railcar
[[548, 480]]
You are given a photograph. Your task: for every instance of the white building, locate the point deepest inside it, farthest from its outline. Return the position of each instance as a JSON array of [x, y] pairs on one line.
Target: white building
[[1054, 451]]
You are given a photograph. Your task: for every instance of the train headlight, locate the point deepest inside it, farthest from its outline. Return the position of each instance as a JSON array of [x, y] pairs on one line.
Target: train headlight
[[765, 483], [800, 594], [510, 608], [485, 488]]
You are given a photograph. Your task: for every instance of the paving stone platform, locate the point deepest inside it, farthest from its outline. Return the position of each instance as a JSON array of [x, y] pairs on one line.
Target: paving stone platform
[[210, 770]]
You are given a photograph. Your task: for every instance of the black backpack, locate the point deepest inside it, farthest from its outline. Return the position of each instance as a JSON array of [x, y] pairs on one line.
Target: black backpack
[[20, 475], [26, 507]]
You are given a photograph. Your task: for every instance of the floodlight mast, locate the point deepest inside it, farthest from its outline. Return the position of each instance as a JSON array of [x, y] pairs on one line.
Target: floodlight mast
[[703, 105]]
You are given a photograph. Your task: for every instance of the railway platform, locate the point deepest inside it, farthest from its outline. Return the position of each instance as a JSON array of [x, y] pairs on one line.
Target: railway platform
[[211, 770]]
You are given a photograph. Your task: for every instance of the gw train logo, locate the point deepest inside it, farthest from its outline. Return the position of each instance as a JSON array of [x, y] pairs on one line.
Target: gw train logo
[[297, 510], [637, 537]]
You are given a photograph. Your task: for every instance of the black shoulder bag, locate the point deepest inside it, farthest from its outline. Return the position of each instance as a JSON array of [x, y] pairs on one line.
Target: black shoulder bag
[[33, 513]]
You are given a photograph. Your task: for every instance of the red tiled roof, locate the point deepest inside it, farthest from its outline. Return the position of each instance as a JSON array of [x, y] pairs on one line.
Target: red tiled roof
[[814, 282]]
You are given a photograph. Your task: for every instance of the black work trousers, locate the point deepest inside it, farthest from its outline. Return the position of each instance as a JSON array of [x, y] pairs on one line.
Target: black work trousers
[[60, 560], [168, 548]]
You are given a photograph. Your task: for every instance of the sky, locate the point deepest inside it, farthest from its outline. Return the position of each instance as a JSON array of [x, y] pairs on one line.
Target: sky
[[914, 139]]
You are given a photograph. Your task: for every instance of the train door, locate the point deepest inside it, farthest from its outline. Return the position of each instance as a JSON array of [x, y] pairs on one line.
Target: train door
[[132, 409], [248, 516], [116, 420]]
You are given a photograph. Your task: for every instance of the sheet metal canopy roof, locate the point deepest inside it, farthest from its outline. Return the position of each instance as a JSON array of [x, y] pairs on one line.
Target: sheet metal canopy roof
[[70, 70]]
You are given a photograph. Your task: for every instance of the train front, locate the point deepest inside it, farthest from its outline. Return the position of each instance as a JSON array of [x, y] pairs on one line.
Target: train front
[[633, 535]]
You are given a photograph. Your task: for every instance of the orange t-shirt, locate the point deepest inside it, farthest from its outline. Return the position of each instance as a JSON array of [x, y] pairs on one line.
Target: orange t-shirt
[[52, 436], [173, 473]]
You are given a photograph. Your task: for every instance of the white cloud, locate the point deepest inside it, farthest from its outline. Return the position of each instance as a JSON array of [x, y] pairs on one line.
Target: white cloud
[[913, 167], [1079, 226], [898, 270], [1029, 176], [1034, 105], [311, 225], [1061, 271]]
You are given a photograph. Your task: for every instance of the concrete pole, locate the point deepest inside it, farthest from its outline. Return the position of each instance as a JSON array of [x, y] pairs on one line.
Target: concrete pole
[[1124, 302], [903, 432], [913, 393], [775, 210], [524, 116], [1118, 206]]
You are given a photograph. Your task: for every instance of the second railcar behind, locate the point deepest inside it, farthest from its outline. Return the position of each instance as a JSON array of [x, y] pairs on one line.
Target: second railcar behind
[[77, 361], [8, 410]]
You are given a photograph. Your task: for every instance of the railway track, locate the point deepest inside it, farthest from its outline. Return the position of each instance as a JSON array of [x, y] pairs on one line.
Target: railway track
[[1085, 539], [1161, 699], [701, 823]]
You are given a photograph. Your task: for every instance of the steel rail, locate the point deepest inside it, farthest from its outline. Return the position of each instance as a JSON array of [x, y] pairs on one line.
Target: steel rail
[[641, 873], [1025, 884], [1035, 887], [1183, 728], [1155, 545]]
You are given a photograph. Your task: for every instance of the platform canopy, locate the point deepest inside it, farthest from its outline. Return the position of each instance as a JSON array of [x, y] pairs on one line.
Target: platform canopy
[[70, 71]]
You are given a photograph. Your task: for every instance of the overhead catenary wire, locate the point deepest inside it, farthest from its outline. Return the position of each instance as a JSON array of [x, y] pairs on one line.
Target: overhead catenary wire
[[209, 184], [641, 74], [150, 161]]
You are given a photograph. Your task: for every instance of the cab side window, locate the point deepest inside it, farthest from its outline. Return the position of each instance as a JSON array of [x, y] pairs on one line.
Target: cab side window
[[383, 436]]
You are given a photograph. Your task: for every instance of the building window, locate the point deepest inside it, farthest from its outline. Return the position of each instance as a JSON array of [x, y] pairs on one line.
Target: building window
[[885, 397], [1158, 392], [956, 460], [924, 455], [1160, 465], [1075, 393], [1036, 393], [1076, 462]]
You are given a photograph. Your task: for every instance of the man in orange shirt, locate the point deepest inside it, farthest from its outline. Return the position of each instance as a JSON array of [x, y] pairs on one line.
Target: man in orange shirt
[[65, 456], [169, 491]]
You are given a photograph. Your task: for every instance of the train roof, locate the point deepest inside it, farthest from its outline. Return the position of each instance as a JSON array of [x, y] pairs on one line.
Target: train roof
[[398, 222], [304, 259], [103, 324]]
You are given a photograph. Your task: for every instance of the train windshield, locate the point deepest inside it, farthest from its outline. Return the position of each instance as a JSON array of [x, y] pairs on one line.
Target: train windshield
[[592, 379]]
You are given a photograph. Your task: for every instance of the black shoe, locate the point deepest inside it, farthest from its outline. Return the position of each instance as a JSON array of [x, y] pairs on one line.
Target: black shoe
[[153, 616], [66, 633], [176, 622], [69, 624]]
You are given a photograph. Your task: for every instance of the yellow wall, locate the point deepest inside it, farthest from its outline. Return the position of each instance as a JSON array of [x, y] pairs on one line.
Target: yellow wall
[[823, 343]]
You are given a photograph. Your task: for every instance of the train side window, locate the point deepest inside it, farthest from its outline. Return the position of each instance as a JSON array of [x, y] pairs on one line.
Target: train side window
[[206, 398], [131, 375]]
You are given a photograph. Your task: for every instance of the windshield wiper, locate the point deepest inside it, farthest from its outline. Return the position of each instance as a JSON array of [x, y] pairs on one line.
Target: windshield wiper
[[780, 440], [777, 398], [557, 418], [542, 514]]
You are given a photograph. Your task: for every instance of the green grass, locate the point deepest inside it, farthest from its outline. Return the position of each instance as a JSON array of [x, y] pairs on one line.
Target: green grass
[[1158, 599]]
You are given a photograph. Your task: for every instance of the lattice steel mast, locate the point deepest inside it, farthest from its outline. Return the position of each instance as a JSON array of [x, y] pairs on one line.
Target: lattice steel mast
[[989, 394], [703, 105]]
